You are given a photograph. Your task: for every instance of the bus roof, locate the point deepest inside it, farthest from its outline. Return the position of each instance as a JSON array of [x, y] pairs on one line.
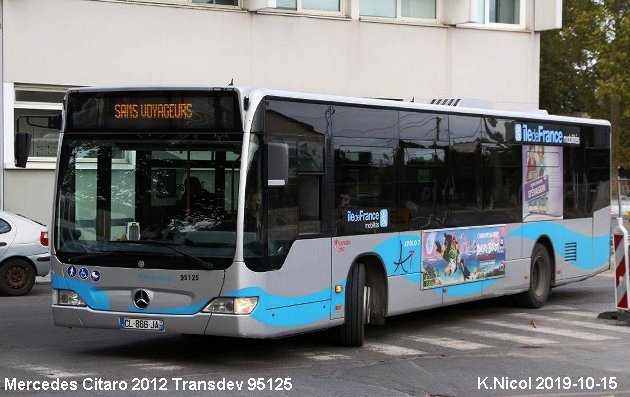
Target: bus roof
[[256, 94]]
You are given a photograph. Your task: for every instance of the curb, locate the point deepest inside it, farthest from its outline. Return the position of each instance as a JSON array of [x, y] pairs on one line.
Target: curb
[[43, 280]]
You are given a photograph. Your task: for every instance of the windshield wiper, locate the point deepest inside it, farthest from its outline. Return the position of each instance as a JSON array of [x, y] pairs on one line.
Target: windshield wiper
[[172, 246], [92, 255]]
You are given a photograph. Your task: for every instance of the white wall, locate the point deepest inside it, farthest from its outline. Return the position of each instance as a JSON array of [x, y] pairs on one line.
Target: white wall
[[30, 193], [80, 42], [89, 42]]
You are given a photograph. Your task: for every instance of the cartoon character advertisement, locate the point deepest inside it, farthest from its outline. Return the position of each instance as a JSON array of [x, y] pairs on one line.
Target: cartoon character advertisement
[[457, 256], [542, 183]]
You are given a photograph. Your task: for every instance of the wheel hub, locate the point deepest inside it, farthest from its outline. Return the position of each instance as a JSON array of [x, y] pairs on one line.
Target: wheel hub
[[16, 277]]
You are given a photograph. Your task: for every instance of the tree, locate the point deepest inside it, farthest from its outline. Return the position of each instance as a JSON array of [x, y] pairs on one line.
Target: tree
[[567, 73], [585, 67]]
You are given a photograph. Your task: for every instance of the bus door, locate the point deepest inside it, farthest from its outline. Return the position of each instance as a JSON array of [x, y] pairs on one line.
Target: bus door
[[298, 230]]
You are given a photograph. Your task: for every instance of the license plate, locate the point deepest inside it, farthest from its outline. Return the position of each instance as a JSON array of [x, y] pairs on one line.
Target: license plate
[[142, 324]]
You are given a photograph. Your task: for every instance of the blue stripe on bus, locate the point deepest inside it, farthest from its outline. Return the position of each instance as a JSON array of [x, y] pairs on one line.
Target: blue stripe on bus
[[284, 311], [591, 253], [94, 297]]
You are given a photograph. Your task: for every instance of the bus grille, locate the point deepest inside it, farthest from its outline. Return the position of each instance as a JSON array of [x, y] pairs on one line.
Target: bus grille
[[570, 252]]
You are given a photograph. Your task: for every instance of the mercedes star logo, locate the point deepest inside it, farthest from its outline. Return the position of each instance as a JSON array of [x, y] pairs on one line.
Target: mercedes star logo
[[141, 264], [141, 299]]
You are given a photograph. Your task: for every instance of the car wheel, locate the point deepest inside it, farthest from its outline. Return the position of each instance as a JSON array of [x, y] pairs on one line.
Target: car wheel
[[17, 277]]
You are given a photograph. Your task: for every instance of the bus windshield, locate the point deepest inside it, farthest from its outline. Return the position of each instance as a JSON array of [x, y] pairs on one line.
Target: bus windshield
[[166, 200]]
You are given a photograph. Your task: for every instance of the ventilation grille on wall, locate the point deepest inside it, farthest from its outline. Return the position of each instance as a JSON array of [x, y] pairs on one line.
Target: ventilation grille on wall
[[446, 101], [462, 102], [570, 252]]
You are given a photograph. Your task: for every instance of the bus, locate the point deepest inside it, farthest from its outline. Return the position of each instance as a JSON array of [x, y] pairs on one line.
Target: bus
[[258, 213]]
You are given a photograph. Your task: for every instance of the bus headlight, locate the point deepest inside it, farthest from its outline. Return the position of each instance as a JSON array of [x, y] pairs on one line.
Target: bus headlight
[[232, 305], [68, 298]]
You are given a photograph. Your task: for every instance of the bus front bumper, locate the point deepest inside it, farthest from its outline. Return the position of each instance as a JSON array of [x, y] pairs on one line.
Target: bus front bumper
[[199, 323]]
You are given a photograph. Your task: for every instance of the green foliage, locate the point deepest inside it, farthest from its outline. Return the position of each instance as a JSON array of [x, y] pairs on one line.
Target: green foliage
[[585, 67]]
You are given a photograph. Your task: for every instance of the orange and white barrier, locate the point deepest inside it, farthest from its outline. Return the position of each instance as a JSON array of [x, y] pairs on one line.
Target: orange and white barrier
[[622, 284]]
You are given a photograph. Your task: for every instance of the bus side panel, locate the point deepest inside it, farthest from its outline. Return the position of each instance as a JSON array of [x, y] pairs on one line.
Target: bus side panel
[[406, 297], [577, 252], [602, 238], [386, 247], [295, 298], [512, 281], [403, 262], [593, 255], [516, 277]]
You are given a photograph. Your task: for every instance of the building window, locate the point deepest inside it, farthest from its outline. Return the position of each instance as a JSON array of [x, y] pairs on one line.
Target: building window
[[309, 5], [419, 9], [39, 101], [500, 11]]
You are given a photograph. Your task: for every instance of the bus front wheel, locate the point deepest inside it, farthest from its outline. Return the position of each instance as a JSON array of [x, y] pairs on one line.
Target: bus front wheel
[[539, 280], [352, 332]]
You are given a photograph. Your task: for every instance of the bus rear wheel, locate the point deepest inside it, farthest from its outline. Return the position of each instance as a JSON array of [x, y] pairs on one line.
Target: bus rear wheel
[[352, 332], [539, 280]]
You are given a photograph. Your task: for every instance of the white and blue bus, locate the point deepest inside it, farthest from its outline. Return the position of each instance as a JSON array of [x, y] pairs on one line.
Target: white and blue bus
[[259, 213]]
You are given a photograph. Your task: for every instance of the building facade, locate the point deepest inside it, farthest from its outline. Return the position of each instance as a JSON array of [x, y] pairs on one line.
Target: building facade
[[399, 49]]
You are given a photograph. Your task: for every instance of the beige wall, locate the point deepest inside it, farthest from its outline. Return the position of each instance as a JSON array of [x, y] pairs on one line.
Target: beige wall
[[82, 42], [30, 193]]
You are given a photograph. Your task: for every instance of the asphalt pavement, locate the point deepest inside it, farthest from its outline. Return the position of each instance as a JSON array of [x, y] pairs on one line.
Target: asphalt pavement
[[485, 348]]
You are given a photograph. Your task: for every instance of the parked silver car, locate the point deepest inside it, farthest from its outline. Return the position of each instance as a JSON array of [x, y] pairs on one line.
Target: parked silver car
[[24, 253]]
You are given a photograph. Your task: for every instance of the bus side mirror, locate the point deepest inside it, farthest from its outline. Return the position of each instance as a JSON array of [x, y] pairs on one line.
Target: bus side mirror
[[277, 164], [22, 148]]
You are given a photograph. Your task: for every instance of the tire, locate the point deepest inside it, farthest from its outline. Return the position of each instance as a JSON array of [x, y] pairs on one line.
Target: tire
[[539, 280], [352, 332], [17, 277]]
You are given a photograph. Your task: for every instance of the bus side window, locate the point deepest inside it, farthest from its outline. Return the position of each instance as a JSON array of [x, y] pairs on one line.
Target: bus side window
[[297, 208], [366, 172], [282, 216], [310, 192], [465, 189]]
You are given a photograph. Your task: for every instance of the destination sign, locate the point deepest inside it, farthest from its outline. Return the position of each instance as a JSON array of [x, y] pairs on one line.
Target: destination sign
[[153, 111], [547, 134]]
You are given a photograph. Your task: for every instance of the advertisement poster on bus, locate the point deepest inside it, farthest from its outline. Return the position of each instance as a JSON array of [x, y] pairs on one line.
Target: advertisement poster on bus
[[542, 182], [457, 256]]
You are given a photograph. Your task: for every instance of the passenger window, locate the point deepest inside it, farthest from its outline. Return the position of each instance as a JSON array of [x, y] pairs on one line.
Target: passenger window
[[501, 162], [311, 156], [366, 187], [366, 184], [4, 226], [423, 177], [429, 127], [424, 142], [464, 188], [365, 123], [310, 203]]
